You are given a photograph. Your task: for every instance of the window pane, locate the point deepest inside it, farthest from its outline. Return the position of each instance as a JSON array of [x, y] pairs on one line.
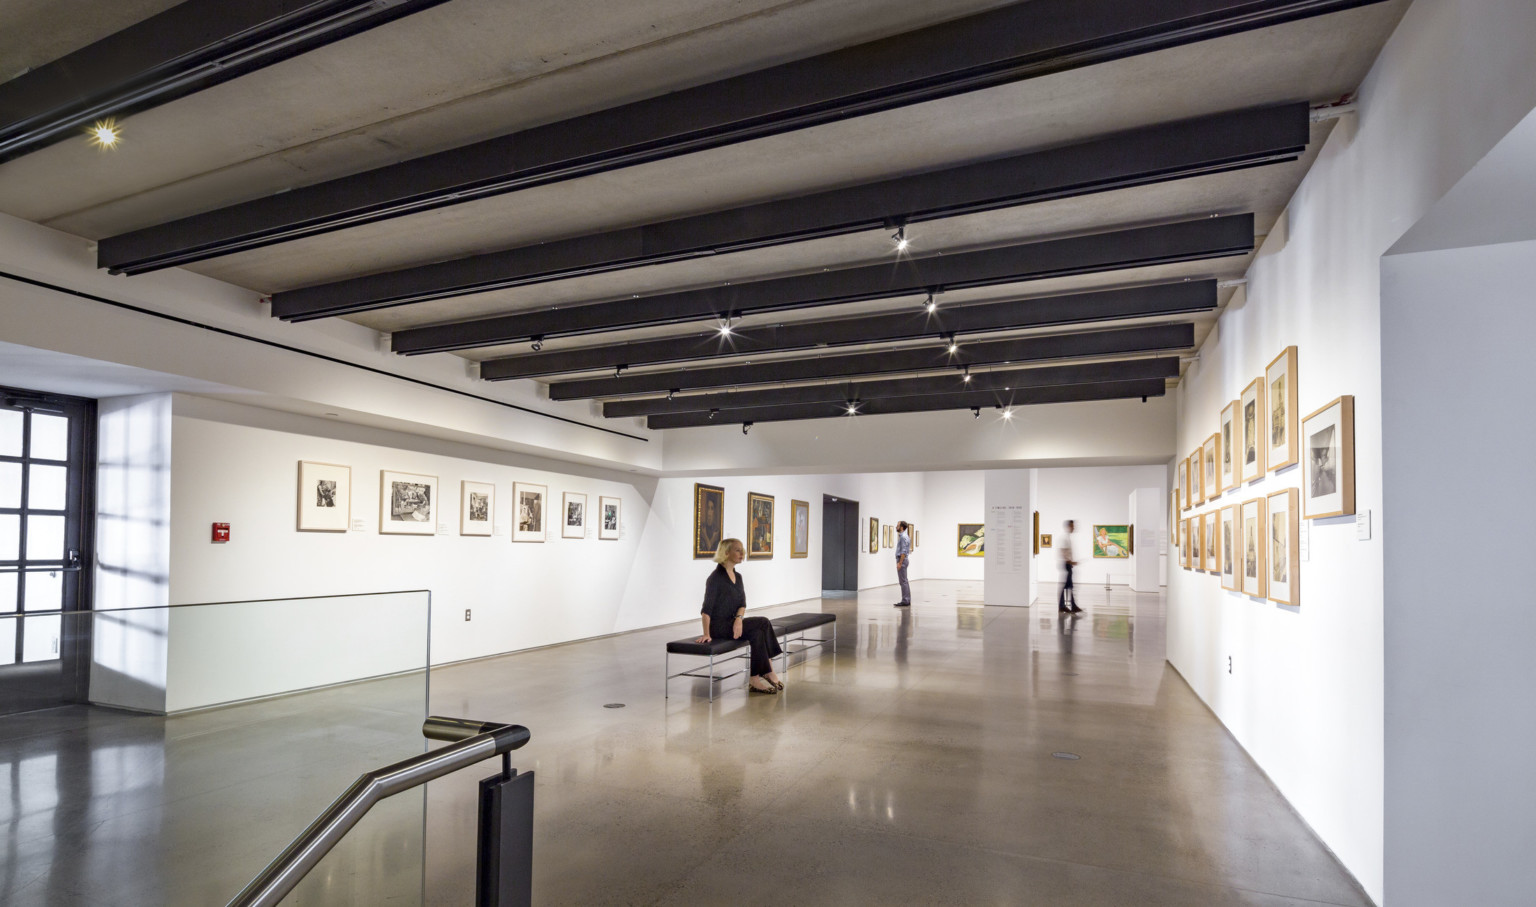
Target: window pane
[[45, 591], [45, 490], [10, 433], [10, 537], [7, 594], [40, 638], [45, 538], [50, 437], [8, 642], [10, 484]]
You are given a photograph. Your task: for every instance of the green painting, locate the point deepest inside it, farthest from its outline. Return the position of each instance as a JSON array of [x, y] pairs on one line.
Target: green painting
[[972, 540], [1111, 541]]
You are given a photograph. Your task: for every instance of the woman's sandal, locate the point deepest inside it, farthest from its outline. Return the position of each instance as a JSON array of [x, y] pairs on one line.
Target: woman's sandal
[[778, 684], [768, 692]]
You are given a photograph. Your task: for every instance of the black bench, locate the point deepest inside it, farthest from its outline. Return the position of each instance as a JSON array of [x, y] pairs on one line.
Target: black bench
[[711, 650], [791, 629]]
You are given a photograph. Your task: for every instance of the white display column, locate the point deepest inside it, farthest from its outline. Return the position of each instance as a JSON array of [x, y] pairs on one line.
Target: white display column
[[1147, 520], [1009, 547]]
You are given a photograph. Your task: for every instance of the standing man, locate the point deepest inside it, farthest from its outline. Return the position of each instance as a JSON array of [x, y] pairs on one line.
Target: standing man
[[903, 553], [1067, 563]]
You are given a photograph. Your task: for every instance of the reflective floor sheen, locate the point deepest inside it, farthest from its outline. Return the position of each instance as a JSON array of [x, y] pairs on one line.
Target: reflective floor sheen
[[914, 765]]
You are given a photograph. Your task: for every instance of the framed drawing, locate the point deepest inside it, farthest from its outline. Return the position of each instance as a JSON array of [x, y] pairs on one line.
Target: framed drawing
[[477, 505], [916, 539], [1212, 542], [799, 528], [528, 505], [608, 512], [1280, 382], [1231, 469], [708, 519], [1045, 540], [1254, 531], [1328, 475], [1284, 547], [1197, 477], [1197, 544], [1209, 458], [573, 512], [1111, 541], [1254, 444], [407, 503], [1037, 532], [1173, 518], [325, 497], [759, 526], [874, 536], [1229, 533], [972, 542], [1184, 543], [1183, 480]]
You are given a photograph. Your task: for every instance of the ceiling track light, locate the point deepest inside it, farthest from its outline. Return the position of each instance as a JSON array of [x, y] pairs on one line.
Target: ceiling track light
[[853, 408], [746, 427], [619, 370], [975, 412], [538, 342], [713, 413], [951, 346], [671, 393], [899, 238], [1008, 413], [967, 376], [932, 305]]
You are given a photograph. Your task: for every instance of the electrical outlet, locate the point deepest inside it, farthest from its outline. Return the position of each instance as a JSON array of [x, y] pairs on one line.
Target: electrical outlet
[[466, 614]]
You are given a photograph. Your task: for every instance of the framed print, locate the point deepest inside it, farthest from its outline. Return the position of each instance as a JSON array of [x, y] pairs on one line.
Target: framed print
[[1184, 495], [759, 526], [1229, 534], [1184, 543], [874, 536], [1045, 540], [1213, 542], [1197, 543], [1284, 533], [1197, 477], [1231, 469], [1254, 533], [1173, 518], [407, 503], [608, 512], [1209, 456], [1328, 475], [799, 528], [477, 505], [890, 535], [917, 540], [1254, 444], [1280, 385], [1111, 541], [325, 497], [528, 506], [1037, 532], [708, 519], [573, 515], [972, 541]]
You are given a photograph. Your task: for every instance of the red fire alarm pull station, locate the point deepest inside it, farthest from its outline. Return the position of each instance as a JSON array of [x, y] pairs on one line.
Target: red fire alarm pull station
[[221, 532]]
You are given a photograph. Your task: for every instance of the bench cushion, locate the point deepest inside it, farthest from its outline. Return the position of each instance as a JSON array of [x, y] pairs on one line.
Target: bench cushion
[[795, 623], [706, 649]]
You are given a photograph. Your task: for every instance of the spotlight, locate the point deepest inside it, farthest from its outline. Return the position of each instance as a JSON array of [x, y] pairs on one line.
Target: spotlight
[[1008, 413], [746, 427], [900, 239], [725, 329], [713, 413], [538, 343], [1143, 399], [105, 133], [619, 370], [967, 377], [975, 412], [671, 393], [853, 408], [951, 346], [933, 303]]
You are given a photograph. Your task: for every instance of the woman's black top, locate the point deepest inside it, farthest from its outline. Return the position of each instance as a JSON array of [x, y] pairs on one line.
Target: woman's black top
[[722, 599]]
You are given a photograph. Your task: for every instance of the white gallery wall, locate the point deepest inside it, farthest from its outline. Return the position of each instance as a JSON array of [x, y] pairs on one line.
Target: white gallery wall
[[949, 499], [1090, 495], [1305, 692]]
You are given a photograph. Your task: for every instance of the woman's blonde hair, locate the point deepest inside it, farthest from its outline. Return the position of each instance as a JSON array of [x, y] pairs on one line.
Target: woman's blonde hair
[[723, 553]]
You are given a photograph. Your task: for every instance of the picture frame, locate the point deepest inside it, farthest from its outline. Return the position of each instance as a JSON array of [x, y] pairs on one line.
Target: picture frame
[[408, 503], [1197, 477], [325, 497], [530, 505], [610, 512], [1213, 552], [1328, 470], [799, 528], [759, 526], [573, 515], [1231, 467], [1173, 518], [1230, 532], [1253, 535], [1253, 447], [1280, 384], [874, 536], [1184, 543], [1183, 482], [477, 507], [1045, 540], [1037, 532], [971, 540], [708, 519], [1197, 543], [1284, 540], [1210, 454], [1111, 540], [888, 532]]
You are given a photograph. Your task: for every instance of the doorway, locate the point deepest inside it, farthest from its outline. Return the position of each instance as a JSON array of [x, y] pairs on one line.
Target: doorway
[[839, 545]]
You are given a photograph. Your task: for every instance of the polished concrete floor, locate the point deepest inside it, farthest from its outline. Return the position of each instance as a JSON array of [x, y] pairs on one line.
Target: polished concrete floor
[[918, 763]]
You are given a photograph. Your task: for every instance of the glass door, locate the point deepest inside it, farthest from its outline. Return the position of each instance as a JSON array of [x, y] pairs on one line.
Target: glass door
[[46, 471]]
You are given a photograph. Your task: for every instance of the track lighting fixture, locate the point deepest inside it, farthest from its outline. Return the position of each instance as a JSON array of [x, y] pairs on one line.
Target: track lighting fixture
[[538, 342], [950, 345], [900, 238], [967, 377], [619, 370], [725, 328], [975, 412], [1008, 413], [746, 427], [713, 413], [671, 393], [853, 408], [932, 305], [105, 133]]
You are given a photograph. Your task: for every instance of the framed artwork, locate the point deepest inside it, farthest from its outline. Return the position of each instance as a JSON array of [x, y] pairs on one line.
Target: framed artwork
[[708, 519], [1184, 543], [874, 536], [528, 506], [1254, 532], [1231, 469], [1209, 465], [1197, 477], [1328, 475], [799, 528], [407, 503], [1213, 542], [916, 539], [608, 512], [1280, 384], [759, 526], [1183, 480], [912, 528], [1284, 547], [1045, 540], [1229, 534], [325, 497], [1173, 518], [477, 505], [890, 535], [1111, 541], [573, 512], [1197, 543], [1254, 444], [972, 541], [1037, 532]]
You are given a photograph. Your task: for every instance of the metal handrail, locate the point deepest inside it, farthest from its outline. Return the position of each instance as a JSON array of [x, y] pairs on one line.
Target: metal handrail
[[474, 742]]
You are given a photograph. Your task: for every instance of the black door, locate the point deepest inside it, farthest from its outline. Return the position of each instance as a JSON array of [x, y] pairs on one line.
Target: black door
[[839, 544], [47, 468]]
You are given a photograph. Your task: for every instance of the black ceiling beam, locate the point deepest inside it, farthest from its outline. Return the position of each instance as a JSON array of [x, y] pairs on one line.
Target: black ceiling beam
[[949, 382], [189, 47], [1067, 393], [1160, 338], [1098, 252], [1214, 144], [1015, 42], [1158, 300]]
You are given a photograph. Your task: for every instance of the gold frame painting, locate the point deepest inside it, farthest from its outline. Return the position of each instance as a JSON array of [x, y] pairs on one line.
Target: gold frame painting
[[1280, 382], [759, 526], [1231, 466], [977, 547], [1045, 540], [1254, 534], [1284, 539], [1230, 533], [1211, 452], [799, 528], [1328, 472], [1253, 446], [874, 536], [1037, 532], [707, 530]]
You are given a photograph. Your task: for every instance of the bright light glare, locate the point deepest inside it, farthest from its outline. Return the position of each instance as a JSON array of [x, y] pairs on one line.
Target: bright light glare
[[725, 330], [967, 377], [1008, 414], [105, 134], [954, 348], [932, 306]]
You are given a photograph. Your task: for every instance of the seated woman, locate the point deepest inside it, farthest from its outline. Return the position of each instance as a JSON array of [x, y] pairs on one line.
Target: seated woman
[[724, 612]]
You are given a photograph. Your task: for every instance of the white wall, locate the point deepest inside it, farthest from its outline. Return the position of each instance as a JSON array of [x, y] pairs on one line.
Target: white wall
[[1305, 696], [949, 499], [1089, 495], [1009, 565]]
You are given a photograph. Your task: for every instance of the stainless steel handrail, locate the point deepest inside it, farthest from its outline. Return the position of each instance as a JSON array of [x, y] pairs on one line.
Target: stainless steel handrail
[[309, 848]]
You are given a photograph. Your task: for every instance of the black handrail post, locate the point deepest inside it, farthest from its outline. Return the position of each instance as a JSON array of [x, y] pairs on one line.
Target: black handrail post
[[504, 863]]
